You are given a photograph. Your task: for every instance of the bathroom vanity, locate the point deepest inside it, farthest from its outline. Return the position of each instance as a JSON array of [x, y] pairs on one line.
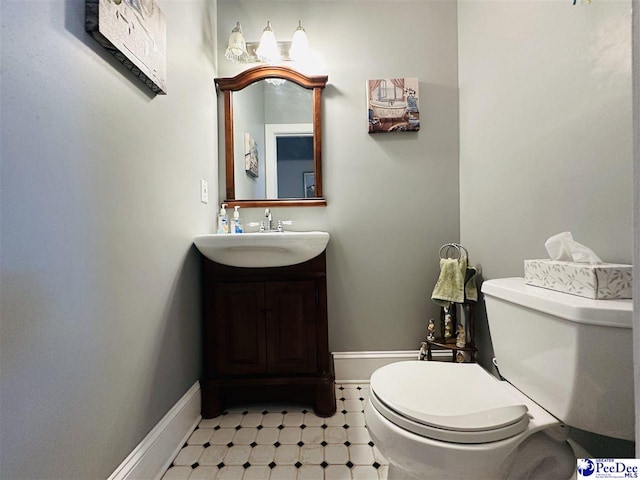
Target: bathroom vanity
[[265, 293], [266, 336]]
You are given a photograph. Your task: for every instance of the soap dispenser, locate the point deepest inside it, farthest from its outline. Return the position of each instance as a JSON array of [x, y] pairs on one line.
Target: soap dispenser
[[236, 225], [223, 220]]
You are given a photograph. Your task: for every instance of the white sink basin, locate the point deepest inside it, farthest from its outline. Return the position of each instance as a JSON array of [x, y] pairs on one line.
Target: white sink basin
[[255, 250]]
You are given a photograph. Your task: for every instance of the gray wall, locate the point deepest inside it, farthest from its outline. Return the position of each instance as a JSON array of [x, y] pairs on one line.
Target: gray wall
[[545, 135], [100, 201], [248, 116], [392, 199], [287, 103], [99, 288]]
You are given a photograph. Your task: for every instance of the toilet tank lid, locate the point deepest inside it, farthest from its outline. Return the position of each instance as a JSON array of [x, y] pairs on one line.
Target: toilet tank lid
[[610, 313]]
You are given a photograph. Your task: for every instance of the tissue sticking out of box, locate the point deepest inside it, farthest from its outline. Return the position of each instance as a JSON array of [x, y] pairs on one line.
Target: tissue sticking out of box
[[575, 269], [564, 248]]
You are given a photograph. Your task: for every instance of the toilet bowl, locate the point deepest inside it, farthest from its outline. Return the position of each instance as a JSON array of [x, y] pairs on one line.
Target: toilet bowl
[[565, 361], [425, 434]]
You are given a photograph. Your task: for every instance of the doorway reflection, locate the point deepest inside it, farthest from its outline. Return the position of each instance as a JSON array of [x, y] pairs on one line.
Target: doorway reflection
[[295, 166]]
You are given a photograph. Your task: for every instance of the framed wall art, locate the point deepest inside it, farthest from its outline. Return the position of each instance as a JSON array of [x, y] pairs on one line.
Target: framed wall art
[[135, 33], [250, 155], [309, 184], [392, 105]]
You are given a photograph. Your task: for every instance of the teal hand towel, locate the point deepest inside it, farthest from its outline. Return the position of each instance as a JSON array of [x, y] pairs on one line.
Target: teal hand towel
[[450, 285]]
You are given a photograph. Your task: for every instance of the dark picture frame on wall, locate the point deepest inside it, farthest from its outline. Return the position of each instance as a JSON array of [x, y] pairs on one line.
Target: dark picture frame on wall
[[135, 33], [309, 184]]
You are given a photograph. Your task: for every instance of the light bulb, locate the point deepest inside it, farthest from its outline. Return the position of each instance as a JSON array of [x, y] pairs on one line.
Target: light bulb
[[268, 49], [299, 44], [237, 47]]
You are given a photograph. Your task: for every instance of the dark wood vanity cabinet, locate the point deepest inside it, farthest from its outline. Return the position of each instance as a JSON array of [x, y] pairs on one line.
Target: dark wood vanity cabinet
[[280, 315], [265, 336]]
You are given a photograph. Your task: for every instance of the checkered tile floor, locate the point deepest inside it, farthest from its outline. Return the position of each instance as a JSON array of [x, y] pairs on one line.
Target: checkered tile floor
[[282, 442]]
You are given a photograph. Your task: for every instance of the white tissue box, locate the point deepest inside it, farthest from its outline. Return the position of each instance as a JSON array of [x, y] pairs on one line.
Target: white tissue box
[[600, 282]]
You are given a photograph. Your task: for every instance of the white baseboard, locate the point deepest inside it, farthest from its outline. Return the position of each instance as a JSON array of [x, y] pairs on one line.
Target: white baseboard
[[357, 367], [151, 458]]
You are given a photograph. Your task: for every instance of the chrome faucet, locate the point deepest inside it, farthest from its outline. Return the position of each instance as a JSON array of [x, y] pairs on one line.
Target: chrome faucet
[[269, 224]]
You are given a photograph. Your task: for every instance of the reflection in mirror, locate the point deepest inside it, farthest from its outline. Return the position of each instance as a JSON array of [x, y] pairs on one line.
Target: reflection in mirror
[[267, 118], [273, 137], [294, 162], [289, 154]]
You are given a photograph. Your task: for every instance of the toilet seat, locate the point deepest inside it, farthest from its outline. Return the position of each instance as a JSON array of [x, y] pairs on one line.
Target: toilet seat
[[459, 403]]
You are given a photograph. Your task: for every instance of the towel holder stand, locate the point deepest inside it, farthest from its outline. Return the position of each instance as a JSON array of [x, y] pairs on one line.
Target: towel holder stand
[[448, 248], [466, 353]]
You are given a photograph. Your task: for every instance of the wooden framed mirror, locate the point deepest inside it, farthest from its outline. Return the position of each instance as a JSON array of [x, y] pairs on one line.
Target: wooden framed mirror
[[274, 105]]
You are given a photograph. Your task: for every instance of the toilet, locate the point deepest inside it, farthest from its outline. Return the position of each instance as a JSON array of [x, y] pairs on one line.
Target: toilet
[[566, 362]]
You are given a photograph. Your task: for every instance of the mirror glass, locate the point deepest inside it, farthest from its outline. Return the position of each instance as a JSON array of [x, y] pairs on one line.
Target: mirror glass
[[273, 141], [273, 137]]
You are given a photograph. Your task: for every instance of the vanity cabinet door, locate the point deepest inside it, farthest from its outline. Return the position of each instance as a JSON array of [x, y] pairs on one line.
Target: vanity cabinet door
[[291, 327], [240, 340], [265, 336]]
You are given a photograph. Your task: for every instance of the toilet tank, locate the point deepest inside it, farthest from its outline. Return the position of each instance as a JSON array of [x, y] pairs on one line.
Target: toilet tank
[[571, 355]]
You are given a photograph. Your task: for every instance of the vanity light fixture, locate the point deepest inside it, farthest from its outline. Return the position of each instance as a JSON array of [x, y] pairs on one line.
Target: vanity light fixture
[[237, 47], [299, 44], [269, 50]]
